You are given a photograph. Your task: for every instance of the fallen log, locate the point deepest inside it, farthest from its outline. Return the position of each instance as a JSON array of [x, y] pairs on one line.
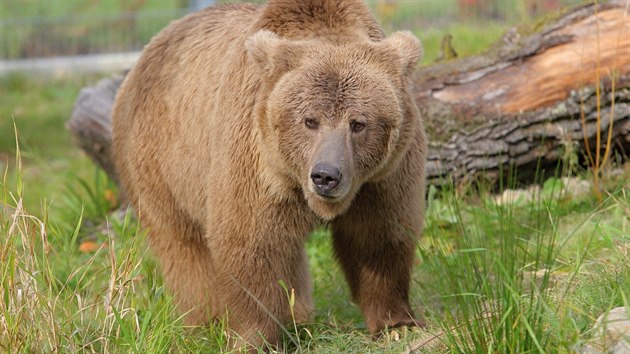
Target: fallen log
[[529, 99], [523, 99], [91, 121]]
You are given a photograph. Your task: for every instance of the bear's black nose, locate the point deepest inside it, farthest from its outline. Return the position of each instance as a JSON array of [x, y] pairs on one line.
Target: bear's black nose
[[325, 177]]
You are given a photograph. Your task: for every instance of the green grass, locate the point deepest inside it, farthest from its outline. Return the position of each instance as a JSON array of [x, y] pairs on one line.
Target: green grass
[[514, 277], [36, 110], [39, 109], [469, 38]]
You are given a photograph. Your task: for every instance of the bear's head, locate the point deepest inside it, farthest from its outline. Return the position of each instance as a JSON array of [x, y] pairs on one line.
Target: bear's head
[[336, 113]]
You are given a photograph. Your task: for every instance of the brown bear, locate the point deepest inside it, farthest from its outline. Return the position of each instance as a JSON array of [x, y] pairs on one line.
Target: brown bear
[[242, 127]]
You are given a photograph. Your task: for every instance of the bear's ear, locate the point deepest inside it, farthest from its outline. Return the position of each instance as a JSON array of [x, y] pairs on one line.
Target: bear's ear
[[408, 47], [271, 54]]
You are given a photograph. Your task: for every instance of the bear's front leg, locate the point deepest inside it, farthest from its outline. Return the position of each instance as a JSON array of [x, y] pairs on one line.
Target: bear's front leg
[[375, 242], [252, 257]]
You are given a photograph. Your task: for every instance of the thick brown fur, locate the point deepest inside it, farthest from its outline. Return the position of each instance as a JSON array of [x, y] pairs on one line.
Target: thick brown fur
[[211, 145]]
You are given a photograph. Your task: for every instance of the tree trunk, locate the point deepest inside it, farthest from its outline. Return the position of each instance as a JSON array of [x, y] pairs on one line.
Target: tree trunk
[[531, 99]]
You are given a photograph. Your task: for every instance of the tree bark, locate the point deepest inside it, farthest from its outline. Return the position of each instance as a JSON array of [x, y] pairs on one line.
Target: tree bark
[[531, 99]]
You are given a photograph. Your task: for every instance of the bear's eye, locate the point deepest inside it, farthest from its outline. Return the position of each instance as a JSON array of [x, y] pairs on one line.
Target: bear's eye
[[311, 123], [356, 126]]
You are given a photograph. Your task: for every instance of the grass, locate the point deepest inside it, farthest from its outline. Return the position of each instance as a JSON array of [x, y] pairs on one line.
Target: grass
[[516, 277], [469, 38], [39, 111]]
